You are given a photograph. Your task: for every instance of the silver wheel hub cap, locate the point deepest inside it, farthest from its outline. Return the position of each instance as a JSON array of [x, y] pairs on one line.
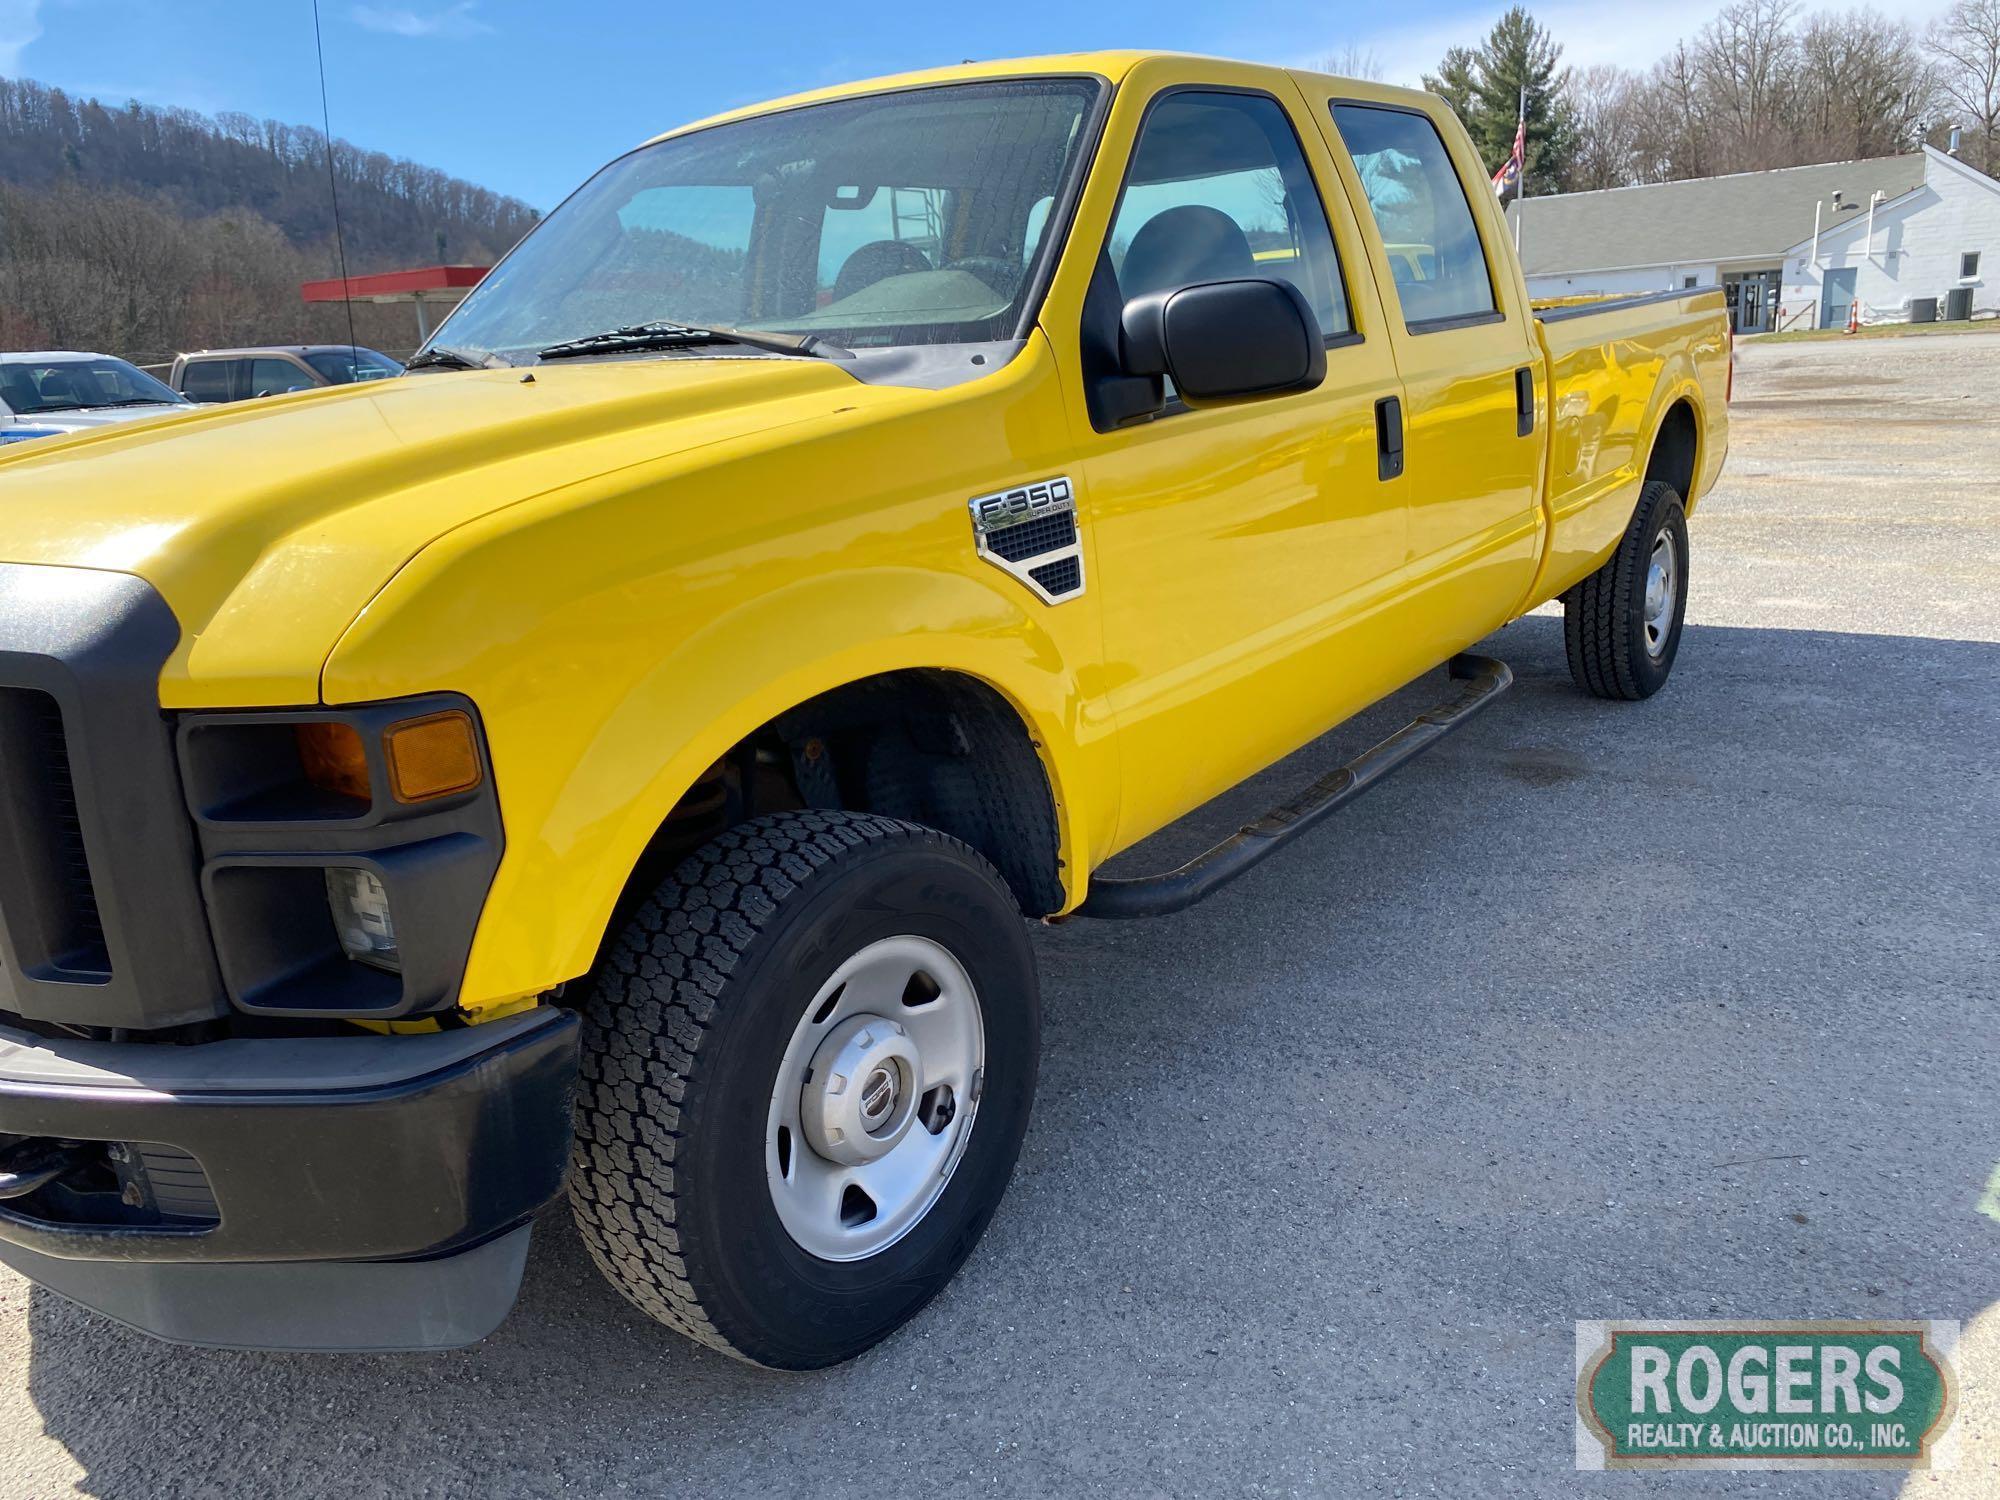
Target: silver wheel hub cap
[[875, 1098], [1662, 589], [860, 1092]]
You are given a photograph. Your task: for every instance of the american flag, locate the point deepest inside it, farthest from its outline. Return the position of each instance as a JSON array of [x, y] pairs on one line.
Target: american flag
[[1509, 174]]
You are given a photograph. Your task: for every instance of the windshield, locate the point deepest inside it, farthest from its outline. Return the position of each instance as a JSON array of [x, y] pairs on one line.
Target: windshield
[[345, 366], [80, 385], [905, 218]]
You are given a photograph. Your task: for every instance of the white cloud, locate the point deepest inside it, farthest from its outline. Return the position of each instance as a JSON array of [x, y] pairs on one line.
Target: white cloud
[[20, 24], [397, 20]]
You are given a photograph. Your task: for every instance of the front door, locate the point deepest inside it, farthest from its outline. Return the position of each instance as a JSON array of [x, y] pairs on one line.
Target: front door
[[1233, 545], [1471, 369], [1837, 298]]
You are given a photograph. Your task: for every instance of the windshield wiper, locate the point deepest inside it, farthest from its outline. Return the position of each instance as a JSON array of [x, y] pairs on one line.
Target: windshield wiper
[[637, 336], [440, 358]]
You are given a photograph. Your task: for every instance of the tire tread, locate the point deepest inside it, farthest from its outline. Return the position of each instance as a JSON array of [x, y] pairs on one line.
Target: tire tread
[[1597, 612], [646, 1018]]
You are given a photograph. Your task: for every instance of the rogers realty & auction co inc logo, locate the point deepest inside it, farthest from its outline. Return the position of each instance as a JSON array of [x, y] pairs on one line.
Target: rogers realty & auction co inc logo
[[1729, 1395]]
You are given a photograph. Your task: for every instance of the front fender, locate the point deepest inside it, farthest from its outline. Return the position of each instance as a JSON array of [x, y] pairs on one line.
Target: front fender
[[590, 760]]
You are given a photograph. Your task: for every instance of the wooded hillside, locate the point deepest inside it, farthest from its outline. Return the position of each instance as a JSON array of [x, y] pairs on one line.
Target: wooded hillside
[[144, 231]]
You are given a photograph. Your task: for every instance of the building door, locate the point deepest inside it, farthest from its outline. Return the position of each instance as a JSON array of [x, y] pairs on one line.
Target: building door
[[1837, 300], [1749, 295], [1760, 301]]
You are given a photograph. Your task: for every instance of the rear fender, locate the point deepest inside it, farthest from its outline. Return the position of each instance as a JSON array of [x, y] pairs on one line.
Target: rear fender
[[1590, 507]]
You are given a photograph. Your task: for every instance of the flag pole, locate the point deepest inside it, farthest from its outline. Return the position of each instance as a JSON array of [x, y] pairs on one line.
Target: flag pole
[[1521, 134], [1521, 185]]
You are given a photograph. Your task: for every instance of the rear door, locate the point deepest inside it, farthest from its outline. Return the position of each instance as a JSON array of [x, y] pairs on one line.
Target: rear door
[[1466, 350]]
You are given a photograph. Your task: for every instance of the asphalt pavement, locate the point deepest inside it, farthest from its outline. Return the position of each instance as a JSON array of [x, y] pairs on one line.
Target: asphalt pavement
[[1676, 1009]]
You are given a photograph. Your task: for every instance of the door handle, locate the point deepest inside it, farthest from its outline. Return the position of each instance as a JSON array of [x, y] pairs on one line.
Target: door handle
[[1524, 401], [1389, 438]]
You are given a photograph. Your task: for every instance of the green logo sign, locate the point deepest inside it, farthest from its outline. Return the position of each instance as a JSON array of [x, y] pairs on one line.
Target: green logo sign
[[1825, 1395]]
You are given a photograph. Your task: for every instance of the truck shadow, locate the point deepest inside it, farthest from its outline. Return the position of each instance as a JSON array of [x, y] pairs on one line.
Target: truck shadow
[[1670, 1009]]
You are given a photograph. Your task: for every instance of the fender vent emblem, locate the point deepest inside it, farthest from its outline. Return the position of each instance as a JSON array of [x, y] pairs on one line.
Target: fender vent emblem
[[1031, 532]]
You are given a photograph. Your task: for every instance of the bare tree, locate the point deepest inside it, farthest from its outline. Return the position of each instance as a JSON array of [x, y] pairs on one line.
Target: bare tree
[[1353, 61], [1607, 125], [1967, 42], [1671, 120], [1746, 62], [1863, 86]]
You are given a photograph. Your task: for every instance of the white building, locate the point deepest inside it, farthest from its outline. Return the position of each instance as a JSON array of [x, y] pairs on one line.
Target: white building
[[1901, 236]]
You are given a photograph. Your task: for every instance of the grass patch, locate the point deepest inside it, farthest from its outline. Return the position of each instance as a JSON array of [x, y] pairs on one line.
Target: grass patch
[[1878, 331]]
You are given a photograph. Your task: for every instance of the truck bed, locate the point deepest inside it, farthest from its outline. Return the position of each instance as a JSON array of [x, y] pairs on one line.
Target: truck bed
[[1613, 367]]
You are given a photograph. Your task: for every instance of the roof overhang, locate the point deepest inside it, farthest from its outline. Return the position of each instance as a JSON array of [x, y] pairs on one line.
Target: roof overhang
[[425, 284]]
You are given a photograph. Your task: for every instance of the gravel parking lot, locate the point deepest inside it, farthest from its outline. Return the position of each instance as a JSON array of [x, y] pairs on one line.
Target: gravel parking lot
[[1684, 1008]]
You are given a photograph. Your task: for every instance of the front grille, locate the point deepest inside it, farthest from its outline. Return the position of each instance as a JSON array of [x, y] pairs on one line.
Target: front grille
[[101, 920], [48, 834], [77, 892], [1032, 538]]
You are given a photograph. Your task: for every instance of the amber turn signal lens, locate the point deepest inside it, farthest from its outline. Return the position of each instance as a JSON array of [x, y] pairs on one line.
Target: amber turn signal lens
[[432, 757], [333, 759]]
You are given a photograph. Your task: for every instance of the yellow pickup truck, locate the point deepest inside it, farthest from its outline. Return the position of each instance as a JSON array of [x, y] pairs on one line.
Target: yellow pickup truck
[[624, 749]]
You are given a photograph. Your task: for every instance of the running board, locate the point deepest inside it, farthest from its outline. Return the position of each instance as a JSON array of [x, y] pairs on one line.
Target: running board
[[1481, 679]]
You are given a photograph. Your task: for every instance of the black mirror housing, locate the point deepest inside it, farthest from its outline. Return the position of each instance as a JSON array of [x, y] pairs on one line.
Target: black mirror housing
[[1221, 341]]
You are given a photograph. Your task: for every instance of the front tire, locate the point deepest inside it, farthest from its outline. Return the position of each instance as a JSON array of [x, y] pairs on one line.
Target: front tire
[[1622, 624], [808, 1062]]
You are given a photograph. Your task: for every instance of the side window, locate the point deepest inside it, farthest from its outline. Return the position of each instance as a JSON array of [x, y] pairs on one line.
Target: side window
[[1421, 209], [274, 377], [206, 380], [1218, 189]]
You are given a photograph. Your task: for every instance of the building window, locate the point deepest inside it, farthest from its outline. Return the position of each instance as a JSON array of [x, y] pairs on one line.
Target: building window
[[1687, 282], [1968, 265]]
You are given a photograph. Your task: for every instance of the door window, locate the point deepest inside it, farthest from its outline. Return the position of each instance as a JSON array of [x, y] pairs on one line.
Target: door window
[[1218, 189], [274, 377], [1423, 214], [207, 380]]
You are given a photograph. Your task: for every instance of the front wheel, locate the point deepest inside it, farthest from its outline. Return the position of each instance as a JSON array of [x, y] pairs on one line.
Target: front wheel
[[1622, 624], [808, 1065]]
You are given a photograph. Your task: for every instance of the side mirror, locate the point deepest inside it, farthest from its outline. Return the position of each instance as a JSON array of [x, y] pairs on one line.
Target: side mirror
[[1224, 341]]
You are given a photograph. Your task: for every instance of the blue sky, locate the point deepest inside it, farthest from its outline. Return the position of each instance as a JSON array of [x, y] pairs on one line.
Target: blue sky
[[529, 96]]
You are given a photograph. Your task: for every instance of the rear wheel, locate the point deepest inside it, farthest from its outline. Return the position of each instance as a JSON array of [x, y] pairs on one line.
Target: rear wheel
[[808, 1065], [1622, 624]]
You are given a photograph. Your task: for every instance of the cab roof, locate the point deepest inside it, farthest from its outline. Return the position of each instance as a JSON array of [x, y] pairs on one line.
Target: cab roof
[[1112, 65]]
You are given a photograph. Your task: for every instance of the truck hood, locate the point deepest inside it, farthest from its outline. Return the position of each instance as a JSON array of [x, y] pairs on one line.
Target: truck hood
[[268, 526]]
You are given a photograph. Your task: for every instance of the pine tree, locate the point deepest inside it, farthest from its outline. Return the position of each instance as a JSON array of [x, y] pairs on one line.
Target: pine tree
[[1484, 85]]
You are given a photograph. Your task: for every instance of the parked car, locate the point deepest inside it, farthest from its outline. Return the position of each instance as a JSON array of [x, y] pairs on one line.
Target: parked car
[[212, 375], [627, 747], [57, 392]]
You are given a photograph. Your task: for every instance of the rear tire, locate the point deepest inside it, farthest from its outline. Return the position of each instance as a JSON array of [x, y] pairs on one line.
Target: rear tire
[[779, 948], [1622, 624]]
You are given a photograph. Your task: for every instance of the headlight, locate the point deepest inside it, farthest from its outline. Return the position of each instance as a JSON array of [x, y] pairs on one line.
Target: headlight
[[347, 852], [360, 906]]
